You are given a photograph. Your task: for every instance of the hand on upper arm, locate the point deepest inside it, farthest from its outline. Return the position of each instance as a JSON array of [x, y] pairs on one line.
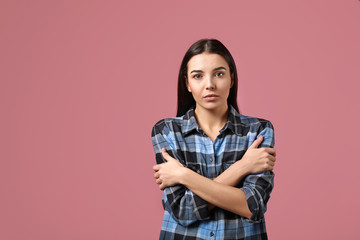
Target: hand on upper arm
[[169, 173], [258, 160]]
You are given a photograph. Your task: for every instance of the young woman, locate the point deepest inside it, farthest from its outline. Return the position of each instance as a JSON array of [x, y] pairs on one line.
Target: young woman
[[213, 164]]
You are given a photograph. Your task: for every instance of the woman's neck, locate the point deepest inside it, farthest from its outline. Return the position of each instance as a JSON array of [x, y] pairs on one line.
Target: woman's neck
[[213, 120]]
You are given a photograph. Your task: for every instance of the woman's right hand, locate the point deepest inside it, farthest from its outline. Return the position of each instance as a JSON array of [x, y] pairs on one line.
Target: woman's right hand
[[258, 160]]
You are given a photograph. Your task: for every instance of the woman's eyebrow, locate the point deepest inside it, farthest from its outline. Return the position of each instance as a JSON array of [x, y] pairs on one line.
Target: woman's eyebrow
[[215, 69], [196, 71], [219, 68]]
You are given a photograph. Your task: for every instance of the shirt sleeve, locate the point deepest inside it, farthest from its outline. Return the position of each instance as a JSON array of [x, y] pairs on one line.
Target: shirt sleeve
[[257, 187], [184, 206]]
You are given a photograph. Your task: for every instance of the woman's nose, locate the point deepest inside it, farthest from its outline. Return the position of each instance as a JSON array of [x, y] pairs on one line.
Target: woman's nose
[[210, 84]]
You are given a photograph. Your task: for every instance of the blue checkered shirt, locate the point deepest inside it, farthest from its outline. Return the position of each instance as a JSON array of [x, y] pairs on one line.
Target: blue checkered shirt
[[186, 215]]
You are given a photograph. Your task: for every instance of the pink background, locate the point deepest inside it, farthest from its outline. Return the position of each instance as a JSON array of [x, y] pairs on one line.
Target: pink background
[[83, 82]]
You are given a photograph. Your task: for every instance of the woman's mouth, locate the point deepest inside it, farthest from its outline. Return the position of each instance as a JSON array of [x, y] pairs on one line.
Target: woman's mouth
[[211, 97]]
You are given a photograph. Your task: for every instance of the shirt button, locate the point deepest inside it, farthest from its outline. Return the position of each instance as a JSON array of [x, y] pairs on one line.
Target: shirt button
[[198, 171], [211, 234], [211, 159]]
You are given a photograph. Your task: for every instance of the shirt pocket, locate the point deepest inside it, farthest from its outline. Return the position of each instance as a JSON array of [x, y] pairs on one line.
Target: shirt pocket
[[230, 158], [196, 167]]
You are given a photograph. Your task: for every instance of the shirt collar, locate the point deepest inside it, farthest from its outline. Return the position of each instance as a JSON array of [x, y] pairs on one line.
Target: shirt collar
[[233, 123]]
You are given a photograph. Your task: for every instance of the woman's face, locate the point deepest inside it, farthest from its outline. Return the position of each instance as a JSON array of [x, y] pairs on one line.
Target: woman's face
[[209, 80]]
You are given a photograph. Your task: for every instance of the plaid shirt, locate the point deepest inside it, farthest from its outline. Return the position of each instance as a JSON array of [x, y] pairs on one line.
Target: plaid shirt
[[186, 215]]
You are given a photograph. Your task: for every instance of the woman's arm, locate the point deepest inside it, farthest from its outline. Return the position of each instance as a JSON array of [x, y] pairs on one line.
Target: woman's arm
[[218, 192], [223, 196], [183, 205], [257, 187], [250, 163], [255, 160]]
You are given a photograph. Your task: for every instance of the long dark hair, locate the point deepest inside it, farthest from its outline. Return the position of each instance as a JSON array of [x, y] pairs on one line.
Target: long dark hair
[[185, 98]]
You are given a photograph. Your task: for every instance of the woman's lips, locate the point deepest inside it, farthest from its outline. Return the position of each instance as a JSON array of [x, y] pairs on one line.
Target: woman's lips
[[211, 97]]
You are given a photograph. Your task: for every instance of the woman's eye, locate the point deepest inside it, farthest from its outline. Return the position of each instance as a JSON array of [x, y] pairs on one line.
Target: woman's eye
[[219, 74], [197, 76]]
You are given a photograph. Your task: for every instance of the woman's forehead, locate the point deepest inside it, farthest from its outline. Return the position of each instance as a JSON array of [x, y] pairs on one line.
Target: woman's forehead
[[207, 61]]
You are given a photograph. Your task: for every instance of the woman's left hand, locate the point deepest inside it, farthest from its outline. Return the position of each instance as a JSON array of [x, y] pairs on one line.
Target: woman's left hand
[[169, 173]]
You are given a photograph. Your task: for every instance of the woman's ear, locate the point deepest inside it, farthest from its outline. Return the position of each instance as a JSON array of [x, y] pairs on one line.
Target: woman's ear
[[187, 84]]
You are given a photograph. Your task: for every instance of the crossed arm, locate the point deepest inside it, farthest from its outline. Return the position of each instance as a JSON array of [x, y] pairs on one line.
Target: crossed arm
[[219, 192], [187, 198]]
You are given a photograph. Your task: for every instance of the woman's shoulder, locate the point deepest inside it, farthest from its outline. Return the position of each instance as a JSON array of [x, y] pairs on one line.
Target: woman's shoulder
[[257, 121], [169, 120], [256, 126], [173, 125], [246, 120], [166, 124]]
